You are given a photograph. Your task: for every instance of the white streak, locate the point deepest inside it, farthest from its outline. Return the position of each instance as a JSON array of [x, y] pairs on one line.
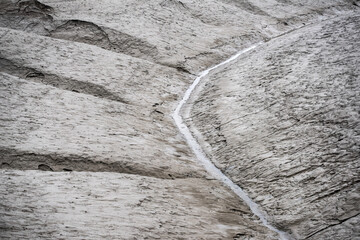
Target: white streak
[[209, 166]]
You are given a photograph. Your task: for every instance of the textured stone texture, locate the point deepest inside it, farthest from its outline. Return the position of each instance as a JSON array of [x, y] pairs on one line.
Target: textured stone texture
[[63, 129], [283, 122], [189, 35], [120, 206], [90, 85]]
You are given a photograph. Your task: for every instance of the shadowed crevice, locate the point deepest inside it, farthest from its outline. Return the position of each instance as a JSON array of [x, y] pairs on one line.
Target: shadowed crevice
[[106, 38], [23, 160], [68, 84], [35, 17], [247, 6], [331, 226]]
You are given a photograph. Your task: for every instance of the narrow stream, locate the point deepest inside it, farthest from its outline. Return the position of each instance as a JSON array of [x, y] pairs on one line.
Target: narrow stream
[[209, 166]]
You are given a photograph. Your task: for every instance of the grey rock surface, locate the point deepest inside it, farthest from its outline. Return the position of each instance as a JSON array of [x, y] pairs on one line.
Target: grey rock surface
[[189, 35], [120, 206], [89, 87], [283, 123]]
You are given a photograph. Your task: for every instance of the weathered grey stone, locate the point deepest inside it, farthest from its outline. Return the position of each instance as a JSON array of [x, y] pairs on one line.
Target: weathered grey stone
[[120, 206], [283, 123], [89, 87]]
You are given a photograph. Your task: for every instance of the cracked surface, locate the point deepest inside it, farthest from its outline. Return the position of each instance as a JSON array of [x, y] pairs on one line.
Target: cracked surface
[[188, 35], [89, 87], [94, 134], [119, 206], [283, 123]]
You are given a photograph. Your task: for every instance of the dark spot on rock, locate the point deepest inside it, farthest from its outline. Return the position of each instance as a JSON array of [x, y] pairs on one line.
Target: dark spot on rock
[[238, 235], [35, 74], [157, 111], [44, 167], [182, 69], [67, 170], [5, 165]]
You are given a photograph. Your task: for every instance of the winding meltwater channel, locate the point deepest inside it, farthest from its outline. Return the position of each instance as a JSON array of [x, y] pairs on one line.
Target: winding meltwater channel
[[205, 161]]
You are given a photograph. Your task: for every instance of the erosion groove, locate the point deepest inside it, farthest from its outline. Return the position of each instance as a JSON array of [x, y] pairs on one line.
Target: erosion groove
[[33, 16], [106, 38], [331, 226], [13, 159], [293, 128], [88, 148], [68, 84], [247, 6], [205, 161]]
